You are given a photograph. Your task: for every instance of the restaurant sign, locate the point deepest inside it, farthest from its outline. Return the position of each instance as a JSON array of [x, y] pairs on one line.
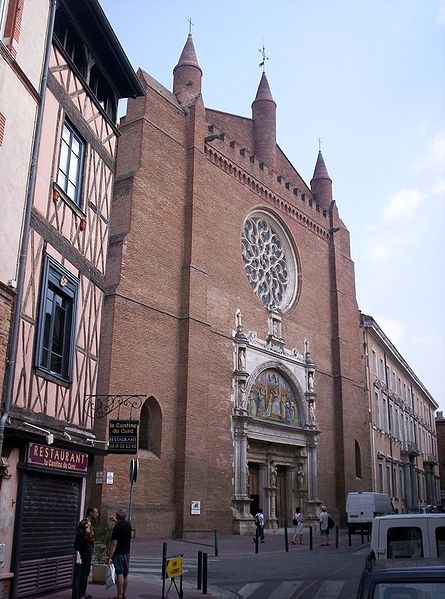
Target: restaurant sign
[[55, 457], [123, 436]]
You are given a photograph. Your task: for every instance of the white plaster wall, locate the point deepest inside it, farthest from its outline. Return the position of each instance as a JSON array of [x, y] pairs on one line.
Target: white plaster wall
[[19, 108], [31, 44]]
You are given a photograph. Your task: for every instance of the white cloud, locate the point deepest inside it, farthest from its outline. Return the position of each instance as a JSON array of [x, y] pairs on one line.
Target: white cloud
[[438, 150], [392, 328], [439, 188], [430, 342], [395, 233], [388, 242], [433, 159], [403, 204]]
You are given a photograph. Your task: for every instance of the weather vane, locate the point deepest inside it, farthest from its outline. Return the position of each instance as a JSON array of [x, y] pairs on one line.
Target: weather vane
[[263, 62], [319, 144], [190, 25]]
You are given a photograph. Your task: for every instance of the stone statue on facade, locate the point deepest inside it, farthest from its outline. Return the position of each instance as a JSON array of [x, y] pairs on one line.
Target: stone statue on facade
[[273, 475]]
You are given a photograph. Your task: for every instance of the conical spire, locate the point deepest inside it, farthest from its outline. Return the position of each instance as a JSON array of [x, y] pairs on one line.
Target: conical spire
[[321, 183], [264, 124], [320, 171], [263, 92], [187, 74]]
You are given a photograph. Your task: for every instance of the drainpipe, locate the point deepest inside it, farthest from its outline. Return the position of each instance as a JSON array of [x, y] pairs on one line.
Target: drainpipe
[[16, 313]]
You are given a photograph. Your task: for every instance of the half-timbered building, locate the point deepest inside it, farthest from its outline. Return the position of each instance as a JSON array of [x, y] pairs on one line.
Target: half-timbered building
[[48, 444]]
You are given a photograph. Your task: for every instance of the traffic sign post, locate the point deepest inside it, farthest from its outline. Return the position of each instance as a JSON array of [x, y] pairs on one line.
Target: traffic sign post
[[172, 567], [134, 467]]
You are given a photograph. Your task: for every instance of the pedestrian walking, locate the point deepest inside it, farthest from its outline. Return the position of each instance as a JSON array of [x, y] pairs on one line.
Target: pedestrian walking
[[120, 552], [84, 544], [259, 523], [297, 521]]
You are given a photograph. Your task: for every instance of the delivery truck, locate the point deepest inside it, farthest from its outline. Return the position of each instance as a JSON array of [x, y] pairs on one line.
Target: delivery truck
[[363, 507]]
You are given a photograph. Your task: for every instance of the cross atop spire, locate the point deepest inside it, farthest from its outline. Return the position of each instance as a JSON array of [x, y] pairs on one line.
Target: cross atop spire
[[190, 25], [264, 57], [319, 144]]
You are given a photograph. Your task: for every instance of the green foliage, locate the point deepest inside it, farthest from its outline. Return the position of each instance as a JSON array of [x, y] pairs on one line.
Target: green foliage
[[102, 544]]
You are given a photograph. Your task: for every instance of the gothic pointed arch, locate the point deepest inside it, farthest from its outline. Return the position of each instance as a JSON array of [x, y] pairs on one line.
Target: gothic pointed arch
[[275, 395], [150, 427]]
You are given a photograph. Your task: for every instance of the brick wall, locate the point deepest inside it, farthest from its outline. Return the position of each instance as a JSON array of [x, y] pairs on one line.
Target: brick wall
[[177, 221], [6, 301]]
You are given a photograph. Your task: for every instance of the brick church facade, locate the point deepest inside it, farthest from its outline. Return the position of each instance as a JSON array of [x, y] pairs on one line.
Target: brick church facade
[[231, 316]]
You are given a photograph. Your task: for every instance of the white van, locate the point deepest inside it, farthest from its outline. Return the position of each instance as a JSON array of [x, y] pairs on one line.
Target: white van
[[408, 536], [363, 507]]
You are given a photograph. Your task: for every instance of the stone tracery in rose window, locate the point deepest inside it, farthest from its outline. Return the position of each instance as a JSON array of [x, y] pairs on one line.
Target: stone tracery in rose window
[[265, 261]]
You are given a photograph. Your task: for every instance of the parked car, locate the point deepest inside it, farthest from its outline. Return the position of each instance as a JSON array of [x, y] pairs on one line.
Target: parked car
[[400, 579], [427, 509], [414, 536], [364, 506]]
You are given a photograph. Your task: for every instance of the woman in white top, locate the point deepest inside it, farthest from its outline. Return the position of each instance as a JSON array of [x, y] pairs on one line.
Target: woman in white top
[[298, 526]]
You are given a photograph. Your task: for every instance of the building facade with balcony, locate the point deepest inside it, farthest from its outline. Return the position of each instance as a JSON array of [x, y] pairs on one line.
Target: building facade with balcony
[[402, 425], [57, 233]]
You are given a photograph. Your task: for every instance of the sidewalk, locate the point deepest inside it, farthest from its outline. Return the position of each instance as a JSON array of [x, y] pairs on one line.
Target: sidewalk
[[228, 546]]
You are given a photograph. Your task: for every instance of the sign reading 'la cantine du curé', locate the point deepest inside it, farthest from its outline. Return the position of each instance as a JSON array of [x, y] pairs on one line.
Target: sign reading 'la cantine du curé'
[[123, 436]]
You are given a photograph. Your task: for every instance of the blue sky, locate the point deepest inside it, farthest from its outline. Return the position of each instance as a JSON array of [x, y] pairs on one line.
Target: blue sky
[[368, 78]]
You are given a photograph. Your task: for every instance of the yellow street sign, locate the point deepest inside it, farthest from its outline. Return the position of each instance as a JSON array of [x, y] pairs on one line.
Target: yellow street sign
[[174, 566]]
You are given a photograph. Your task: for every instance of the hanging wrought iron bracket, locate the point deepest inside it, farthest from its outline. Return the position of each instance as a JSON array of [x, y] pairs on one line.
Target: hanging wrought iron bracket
[[100, 406]]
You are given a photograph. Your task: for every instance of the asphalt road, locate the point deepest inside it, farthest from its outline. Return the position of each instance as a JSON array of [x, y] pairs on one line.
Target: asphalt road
[[326, 573]]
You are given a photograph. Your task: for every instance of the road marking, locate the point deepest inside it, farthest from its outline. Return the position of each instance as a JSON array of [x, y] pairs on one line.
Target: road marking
[[330, 589], [248, 589], [286, 589]]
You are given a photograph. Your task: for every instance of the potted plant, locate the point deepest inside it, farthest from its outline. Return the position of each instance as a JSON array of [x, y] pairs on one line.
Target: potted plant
[[101, 551]]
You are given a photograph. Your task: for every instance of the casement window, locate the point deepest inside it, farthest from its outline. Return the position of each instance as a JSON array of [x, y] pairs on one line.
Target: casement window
[[11, 12], [69, 176], [376, 408], [56, 325]]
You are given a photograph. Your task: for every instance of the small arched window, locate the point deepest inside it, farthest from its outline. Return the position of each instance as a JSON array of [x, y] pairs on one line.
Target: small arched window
[[358, 460], [150, 427]]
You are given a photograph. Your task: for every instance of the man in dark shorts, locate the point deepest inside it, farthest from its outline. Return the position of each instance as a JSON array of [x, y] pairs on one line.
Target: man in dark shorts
[[120, 552]]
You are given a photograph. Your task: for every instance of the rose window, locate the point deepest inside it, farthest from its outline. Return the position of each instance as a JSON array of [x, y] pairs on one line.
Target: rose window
[[269, 261]]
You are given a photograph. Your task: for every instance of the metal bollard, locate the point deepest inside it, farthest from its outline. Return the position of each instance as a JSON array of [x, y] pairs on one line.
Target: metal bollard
[[286, 537], [216, 543], [311, 540], [257, 534], [76, 580], [204, 574], [336, 537], [164, 562], [199, 574]]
